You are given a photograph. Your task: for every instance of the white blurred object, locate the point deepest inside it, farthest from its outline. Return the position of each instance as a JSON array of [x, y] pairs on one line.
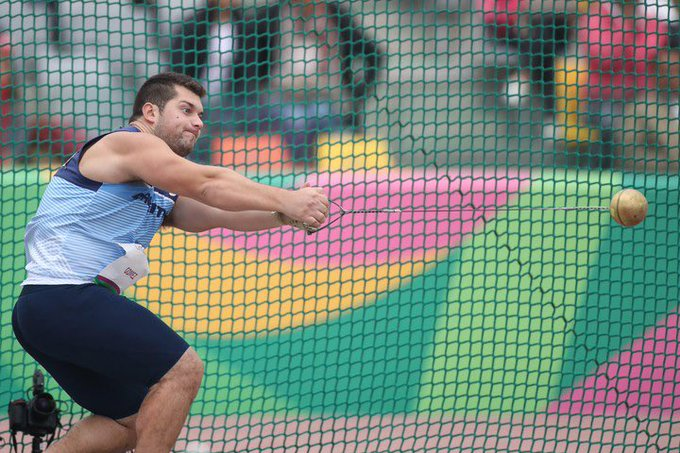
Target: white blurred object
[[517, 91], [659, 9], [197, 447], [549, 132], [220, 56], [27, 23], [117, 32], [79, 87], [171, 15]]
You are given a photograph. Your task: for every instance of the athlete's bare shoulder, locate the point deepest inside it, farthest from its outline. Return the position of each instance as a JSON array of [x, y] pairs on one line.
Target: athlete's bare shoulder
[[124, 142], [112, 158]]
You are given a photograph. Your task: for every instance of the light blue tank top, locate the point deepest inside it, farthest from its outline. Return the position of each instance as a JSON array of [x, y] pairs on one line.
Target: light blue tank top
[[80, 223]]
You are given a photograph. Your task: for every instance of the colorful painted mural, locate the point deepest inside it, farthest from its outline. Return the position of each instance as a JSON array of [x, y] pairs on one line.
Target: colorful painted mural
[[497, 322]]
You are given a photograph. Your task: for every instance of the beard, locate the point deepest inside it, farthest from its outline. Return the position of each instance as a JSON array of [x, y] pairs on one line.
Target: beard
[[180, 143]]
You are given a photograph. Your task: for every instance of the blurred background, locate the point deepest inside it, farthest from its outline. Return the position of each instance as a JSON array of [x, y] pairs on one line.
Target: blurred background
[[452, 82]]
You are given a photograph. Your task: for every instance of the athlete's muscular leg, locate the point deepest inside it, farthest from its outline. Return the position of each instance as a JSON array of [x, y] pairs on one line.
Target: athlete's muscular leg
[[165, 408], [97, 434], [154, 428]]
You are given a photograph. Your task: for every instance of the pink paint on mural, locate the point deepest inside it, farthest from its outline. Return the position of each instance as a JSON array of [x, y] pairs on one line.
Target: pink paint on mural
[[408, 432], [367, 239], [642, 380]]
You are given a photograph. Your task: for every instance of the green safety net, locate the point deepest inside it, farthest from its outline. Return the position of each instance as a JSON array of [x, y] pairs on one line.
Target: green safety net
[[470, 320]]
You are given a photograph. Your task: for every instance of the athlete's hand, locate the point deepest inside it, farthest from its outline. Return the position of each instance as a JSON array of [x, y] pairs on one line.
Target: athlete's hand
[[307, 206]]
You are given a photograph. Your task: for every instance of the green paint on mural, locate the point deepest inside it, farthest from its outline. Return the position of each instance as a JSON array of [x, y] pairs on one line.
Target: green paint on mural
[[18, 201], [633, 286], [227, 390], [514, 292], [367, 362]]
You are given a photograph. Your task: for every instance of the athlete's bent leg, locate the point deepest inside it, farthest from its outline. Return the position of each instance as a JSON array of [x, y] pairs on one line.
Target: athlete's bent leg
[[166, 406], [97, 434]]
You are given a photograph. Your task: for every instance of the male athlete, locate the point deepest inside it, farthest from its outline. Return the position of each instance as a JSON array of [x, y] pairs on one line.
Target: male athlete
[[86, 244]]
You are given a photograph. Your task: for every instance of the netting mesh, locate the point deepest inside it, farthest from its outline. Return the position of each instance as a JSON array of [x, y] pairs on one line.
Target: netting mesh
[[480, 329]]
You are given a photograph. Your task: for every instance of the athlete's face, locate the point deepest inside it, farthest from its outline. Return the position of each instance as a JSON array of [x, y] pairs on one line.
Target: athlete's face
[[181, 121]]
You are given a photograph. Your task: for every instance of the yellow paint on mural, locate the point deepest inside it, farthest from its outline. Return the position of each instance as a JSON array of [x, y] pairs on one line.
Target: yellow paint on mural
[[196, 286], [345, 151]]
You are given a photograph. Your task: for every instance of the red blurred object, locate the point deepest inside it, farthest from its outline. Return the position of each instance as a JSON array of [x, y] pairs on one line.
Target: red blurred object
[[54, 136], [501, 15], [264, 153], [5, 68], [6, 118], [51, 136], [621, 51]]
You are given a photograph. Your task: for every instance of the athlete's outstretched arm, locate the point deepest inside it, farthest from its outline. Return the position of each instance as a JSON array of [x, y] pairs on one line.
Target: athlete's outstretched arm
[[129, 156], [194, 216]]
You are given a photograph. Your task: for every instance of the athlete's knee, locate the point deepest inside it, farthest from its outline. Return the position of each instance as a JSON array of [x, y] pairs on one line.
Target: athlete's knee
[[193, 367], [129, 423], [187, 372]]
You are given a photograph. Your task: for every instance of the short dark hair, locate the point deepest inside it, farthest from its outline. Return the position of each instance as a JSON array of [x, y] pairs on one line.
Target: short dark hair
[[159, 89]]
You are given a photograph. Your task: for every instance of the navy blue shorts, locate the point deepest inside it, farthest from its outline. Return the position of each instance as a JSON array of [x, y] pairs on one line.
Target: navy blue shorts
[[104, 350]]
